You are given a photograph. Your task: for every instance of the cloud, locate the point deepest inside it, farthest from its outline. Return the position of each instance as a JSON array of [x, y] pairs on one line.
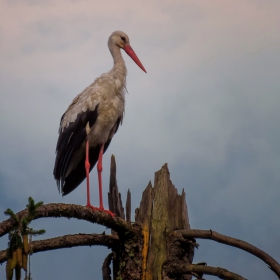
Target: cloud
[[209, 106]]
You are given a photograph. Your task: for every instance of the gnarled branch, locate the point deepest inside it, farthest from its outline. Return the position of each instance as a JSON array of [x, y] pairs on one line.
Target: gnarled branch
[[57, 210], [106, 270], [68, 241], [209, 234], [199, 270]]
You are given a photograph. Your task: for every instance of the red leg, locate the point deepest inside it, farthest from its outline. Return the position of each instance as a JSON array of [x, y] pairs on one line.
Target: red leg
[[99, 170], [87, 166]]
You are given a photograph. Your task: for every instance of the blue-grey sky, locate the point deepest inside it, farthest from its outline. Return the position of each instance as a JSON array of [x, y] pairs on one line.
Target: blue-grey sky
[[209, 106]]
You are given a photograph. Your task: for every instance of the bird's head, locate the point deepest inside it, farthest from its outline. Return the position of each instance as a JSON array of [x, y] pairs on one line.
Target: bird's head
[[121, 40]]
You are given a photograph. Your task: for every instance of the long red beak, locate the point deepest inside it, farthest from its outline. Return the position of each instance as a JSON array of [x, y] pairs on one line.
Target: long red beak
[[128, 49]]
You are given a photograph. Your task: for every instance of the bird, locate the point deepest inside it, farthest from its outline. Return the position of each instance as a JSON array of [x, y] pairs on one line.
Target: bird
[[90, 122]]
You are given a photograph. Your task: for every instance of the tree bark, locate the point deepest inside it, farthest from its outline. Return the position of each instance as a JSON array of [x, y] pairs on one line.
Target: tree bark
[[161, 211]]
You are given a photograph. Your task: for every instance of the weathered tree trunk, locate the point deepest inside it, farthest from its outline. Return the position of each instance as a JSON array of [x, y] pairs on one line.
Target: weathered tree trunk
[[162, 210]]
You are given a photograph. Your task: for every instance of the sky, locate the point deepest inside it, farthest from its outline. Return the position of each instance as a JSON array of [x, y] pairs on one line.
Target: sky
[[209, 106]]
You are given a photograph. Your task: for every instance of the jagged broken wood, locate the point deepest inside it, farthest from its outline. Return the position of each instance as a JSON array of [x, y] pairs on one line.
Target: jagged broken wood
[[128, 206], [162, 210], [114, 197]]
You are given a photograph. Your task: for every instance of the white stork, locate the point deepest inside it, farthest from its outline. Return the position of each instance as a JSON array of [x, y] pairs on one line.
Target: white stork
[[90, 122]]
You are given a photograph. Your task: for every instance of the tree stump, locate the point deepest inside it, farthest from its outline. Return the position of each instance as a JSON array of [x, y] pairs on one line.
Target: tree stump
[[162, 211]]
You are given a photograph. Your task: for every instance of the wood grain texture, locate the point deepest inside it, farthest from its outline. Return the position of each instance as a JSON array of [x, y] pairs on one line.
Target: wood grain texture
[[128, 206], [161, 211], [114, 197]]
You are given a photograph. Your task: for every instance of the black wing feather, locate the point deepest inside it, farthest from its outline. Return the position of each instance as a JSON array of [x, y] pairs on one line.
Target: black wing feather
[[76, 177], [69, 141]]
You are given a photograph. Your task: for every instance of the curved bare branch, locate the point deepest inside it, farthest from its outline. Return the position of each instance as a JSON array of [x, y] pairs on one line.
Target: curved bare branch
[[58, 210], [199, 270], [106, 270], [209, 234], [68, 241]]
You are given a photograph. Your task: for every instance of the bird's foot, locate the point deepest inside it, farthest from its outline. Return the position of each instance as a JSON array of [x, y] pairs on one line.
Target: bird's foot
[[101, 209], [106, 211], [92, 207]]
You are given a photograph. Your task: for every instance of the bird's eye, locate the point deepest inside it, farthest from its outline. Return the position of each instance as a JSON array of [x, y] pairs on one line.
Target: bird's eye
[[123, 38]]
